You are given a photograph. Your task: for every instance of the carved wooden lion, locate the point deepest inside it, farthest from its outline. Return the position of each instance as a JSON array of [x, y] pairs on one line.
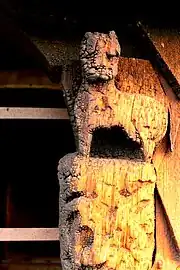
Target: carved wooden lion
[[119, 115]]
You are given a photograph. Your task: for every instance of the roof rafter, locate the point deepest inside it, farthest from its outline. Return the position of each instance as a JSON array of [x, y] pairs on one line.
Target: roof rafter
[[164, 48]]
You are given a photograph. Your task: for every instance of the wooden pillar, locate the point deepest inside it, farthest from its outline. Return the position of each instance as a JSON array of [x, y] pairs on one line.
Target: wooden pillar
[[119, 115], [3, 216]]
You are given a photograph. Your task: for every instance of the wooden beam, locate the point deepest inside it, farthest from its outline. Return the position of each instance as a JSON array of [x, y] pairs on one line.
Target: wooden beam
[[35, 78], [33, 113], [33, 261], [31, 86], [29, 234], [163, 46]]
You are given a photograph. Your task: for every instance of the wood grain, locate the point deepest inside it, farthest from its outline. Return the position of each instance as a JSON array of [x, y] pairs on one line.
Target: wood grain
[[108, 211]]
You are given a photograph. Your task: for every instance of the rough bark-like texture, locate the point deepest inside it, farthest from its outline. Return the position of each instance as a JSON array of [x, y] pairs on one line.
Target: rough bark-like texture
[[138, 94], [138, 116], [107, 187], [57, 52], [106, 213]]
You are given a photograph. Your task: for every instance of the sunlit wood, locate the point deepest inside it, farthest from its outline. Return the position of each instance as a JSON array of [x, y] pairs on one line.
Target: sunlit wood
[[29, 234]]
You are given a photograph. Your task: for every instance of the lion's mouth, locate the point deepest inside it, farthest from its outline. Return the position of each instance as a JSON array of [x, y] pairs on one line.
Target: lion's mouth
[[98, 78], [99, 74]]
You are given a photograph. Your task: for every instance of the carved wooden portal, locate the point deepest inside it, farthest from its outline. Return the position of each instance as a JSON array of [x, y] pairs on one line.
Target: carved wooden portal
[[119, 114]]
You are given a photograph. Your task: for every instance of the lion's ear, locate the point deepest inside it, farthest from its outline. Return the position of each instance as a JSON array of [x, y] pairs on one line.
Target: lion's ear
[[88, 35], [173, 126], [112, 34]]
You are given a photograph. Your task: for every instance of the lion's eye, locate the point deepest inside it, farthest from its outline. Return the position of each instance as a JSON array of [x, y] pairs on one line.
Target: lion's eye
[[109, 55]]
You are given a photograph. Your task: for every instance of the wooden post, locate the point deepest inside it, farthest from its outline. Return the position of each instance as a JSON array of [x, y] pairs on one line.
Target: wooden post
[[8, 211], [119, 114], [2, 217]]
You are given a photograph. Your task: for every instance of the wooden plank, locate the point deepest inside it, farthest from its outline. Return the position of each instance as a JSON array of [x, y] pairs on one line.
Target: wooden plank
[[33, 113], [32, 86], [163, 47], [166, 252], [27, 79], [29, 234], [167, 166], [32, 261], [167, 43]]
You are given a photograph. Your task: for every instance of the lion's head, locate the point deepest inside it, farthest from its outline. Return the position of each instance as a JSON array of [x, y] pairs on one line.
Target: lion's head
[[99, 55]]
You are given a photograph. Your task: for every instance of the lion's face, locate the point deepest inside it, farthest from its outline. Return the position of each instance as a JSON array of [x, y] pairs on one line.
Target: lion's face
[[99, 56]]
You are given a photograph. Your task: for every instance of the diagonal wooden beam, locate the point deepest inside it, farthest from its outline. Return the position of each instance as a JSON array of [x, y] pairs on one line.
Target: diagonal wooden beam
[[163, 45]]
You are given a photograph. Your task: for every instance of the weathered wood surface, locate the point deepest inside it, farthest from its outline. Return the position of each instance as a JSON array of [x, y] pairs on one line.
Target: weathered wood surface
[[33, 113], [167, 255], [167, 43], [139, 116], [167, 164], [163, 46], [107, 213], [137, 76], [29, 234], [107, 206], [58, 52]]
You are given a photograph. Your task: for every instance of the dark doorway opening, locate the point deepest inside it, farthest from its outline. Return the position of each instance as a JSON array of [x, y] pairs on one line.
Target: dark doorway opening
[[29, 194]]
